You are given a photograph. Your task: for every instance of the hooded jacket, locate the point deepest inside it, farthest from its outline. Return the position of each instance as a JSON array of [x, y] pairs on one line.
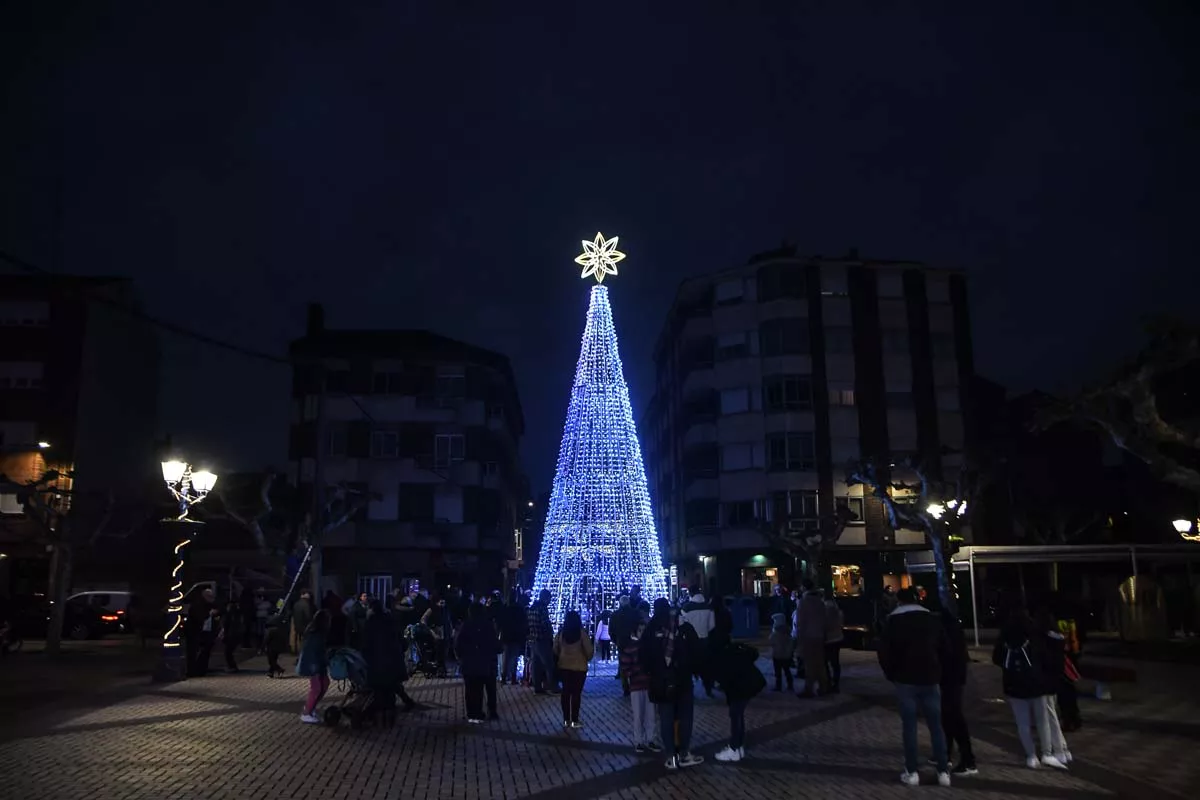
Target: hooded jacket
[[810, 618], [1021, 653], [913, 646], [699, 614]]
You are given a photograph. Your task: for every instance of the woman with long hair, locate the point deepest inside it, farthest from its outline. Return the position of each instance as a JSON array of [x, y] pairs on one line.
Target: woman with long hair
[[574, 650], [314, 664]]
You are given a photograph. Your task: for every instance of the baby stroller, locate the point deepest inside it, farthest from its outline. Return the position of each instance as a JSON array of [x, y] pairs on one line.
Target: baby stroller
[[349, 669], [420, 651]]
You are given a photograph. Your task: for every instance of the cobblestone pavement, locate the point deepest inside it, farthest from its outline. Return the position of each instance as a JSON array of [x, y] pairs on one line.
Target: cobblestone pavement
[[238, 736]]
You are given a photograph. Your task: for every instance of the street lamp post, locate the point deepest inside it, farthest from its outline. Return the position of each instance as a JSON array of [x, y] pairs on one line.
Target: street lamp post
[[188, 488]]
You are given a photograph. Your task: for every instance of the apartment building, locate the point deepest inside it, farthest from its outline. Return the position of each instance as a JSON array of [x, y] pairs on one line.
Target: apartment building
[[78, 394], [771, 377], [426, 427]]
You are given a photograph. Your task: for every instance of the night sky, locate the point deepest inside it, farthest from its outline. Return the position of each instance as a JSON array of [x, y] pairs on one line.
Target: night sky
[[434, 165]]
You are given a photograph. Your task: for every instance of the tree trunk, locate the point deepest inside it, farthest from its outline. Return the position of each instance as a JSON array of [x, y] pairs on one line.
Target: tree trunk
[[945, 573], [60, 579]]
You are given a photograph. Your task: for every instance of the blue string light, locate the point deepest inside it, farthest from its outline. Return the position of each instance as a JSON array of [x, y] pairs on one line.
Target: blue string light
[[599, 537]]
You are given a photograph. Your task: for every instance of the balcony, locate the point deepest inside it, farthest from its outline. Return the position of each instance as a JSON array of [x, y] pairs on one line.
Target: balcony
[[700, 433]]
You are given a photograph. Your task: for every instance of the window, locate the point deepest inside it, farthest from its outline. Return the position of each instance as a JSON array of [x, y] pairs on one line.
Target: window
[[899, 400], [937, 288], [855, 504], [776, 281], [796, 504], [387, 382], [847, 580], [310, 407], [448, 448], [741, 456], [451, 382], [20, 375], [702, 512], [788, 393], [729, 292], [833, 282], [947, 400], [839, 341], [743, 513], [385, 444], [378, 586], [338, 381], [942, 345], [790, 451], [491, 469], [841, 395], [734, 345], [337, 441], [735, 401], [779, 337], [415, 502], [891, 284], [895, 342]]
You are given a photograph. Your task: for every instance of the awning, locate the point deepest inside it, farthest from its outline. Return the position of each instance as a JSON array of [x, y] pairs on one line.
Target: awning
[[922, 561]]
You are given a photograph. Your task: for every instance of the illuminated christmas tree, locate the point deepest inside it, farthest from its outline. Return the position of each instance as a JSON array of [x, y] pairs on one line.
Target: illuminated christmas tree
[[599, 538]]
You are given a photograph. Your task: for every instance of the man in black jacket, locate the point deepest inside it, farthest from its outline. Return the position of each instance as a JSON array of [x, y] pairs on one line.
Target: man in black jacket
[[954, 679], [911, 652]]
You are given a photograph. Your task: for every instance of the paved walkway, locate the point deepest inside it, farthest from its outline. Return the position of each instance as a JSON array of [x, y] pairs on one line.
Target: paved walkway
[[238, 736]]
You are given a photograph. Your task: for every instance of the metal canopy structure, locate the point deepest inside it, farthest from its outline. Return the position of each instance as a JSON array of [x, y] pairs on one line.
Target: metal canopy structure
[[967, 557]]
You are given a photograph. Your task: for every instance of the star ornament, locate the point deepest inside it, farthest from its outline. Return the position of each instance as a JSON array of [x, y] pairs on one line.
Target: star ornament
[[599, 257]]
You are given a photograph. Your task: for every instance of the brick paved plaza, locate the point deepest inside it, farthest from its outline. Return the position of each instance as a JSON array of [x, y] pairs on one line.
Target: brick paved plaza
[[238, 736]]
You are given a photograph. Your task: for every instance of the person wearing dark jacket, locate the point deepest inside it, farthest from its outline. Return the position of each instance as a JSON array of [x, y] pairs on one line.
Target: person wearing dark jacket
[[624, 622], [911, 651], [513, 634], [1053, 667], [384, 655], [735, 671], [810, 640], [668, 652], [475, 646], [231, 634], [541, 644], [1021, 653], [954, 679]]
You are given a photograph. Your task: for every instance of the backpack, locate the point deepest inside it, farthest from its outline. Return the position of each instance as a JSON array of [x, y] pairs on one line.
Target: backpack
[[1017, 660], [346, 664]]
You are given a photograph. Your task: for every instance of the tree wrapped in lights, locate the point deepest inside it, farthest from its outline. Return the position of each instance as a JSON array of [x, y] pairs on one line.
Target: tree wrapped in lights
[[599, 535]]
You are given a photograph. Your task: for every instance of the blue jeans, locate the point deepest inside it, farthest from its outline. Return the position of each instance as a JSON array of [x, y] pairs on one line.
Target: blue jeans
[[680, 711], [737, 724], [927, 700]]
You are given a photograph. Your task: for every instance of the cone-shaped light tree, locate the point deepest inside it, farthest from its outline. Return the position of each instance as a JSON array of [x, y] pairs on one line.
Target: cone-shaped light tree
[[599, 538]]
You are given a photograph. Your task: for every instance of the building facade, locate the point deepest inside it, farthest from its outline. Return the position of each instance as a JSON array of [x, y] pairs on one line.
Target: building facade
[[427, 429], [771, 378], [78, 393]]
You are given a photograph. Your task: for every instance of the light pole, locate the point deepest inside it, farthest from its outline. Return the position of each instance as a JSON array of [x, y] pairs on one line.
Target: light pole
[[188, 488]]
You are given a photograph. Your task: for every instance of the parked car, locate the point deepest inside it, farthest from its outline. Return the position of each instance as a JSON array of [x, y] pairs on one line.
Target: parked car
[[30, 618], [111, 612]]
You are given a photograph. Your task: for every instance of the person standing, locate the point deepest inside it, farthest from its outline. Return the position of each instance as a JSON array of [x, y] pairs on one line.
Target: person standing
[[1068, 697], [514, 635], [645, 730], [783, 647], [302, 614], [231, 634], [1020, 652], [603, 640], [541, 644], [740, 680], [699, 614], [1054, 665], [954, 680], [834, 636], [314, 665], [475, 645], [810, 638], [668, 653], [911, 650], [573, 649], [200, 632], [624, 620]]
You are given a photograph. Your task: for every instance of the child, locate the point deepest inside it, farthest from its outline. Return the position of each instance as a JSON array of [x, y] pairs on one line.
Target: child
[[782, 648], [314, 664], [644, 724], [740, 680], [602, 637]]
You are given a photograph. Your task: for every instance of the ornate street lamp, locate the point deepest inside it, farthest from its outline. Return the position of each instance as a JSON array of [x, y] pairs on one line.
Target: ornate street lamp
[[1184, 528], [188, 488]]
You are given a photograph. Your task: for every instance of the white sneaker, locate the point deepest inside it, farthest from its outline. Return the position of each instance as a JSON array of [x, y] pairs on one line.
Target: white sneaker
[[1066, 757], [910, 778], [741, 753], [1052, 761], [943, 779], [689, 760], [1032, 762], [310, 719], [728, 754]]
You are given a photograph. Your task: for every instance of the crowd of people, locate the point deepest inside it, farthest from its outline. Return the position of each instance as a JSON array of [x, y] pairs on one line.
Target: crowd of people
[[661, 650]]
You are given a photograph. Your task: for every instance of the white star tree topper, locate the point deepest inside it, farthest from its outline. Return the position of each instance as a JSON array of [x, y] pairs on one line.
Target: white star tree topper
[[600, 257]]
